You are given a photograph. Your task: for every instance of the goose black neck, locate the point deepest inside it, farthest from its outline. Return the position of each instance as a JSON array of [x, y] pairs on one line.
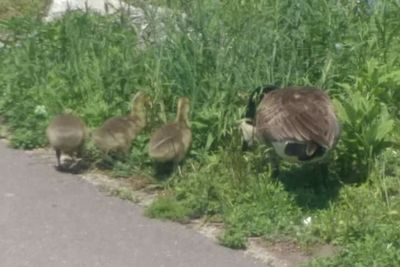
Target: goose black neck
[[256, 97]]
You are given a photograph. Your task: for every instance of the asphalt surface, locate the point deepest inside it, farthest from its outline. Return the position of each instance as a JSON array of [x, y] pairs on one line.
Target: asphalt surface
[[51, 219]]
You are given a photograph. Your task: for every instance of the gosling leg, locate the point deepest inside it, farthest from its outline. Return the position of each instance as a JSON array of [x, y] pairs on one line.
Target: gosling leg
[[58, 155]]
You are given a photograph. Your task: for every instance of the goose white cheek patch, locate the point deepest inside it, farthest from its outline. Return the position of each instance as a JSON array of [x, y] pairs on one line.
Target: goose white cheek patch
[[248, 132]]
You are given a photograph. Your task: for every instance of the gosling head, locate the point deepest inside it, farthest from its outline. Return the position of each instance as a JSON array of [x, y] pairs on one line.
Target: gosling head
[[140, 101]]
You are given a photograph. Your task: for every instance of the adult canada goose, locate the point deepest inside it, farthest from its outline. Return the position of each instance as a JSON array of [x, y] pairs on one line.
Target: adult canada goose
[[66, 134], [299, 122], [117, 133], [171, 142]]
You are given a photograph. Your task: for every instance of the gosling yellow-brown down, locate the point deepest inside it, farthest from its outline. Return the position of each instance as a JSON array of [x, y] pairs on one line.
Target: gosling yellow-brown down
[[66, 134], [117, 133], [171, 142]]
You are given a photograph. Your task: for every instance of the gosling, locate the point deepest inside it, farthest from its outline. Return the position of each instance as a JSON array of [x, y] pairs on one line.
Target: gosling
[[66, 134], [170, 143], [117, 133]]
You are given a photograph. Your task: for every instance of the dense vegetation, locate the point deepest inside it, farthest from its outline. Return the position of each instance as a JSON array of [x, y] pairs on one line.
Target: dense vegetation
[[216, 55]]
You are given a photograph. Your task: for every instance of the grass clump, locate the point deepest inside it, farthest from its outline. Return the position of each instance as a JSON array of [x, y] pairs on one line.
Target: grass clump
[[369, 236], [215, 55], [168, 208]]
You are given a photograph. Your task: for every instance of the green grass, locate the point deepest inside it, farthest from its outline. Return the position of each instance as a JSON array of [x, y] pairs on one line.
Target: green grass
[[222, 51], [170, 209]]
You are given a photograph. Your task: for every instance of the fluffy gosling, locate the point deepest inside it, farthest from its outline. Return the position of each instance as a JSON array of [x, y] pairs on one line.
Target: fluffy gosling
[[170, 143], [66, 134], [117, 133]]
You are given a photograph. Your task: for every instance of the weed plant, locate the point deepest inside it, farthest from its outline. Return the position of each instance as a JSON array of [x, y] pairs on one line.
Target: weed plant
[[215, 55]]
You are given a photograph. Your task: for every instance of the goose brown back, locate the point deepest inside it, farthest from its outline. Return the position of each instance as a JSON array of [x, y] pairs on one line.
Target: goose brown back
[[297, 114]]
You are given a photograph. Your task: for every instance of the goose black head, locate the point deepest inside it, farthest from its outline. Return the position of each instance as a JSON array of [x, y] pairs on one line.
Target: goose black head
[[247, 125], [255, 98]]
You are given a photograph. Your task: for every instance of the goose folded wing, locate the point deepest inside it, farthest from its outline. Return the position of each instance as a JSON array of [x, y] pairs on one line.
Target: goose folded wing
[[301, 118], [166, 141]]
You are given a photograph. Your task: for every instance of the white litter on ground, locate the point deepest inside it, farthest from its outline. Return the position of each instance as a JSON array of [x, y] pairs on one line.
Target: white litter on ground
[[139, 17], [59, 7]]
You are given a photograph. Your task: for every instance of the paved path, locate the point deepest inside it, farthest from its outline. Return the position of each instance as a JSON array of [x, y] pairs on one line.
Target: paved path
[[51, 219]]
